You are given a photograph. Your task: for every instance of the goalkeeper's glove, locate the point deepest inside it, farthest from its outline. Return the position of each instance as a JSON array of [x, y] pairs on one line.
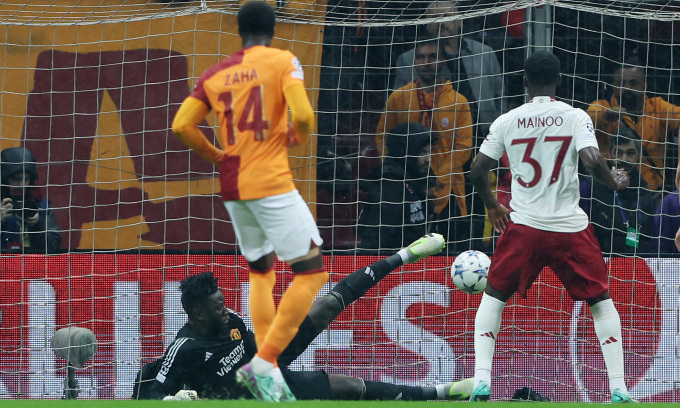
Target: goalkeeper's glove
[[183, 395]]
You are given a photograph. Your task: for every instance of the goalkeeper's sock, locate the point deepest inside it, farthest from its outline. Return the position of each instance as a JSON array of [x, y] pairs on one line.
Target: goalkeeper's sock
[[261, 300], [608, 329], [487, 324], [261, 367], [379, 391], [293, 309], [358, 283]]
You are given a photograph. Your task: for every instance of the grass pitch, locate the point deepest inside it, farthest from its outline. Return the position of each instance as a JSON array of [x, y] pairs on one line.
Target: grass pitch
[[299, 404]]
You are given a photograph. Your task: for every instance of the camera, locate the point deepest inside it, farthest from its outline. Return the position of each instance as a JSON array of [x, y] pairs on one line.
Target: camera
[[628, 101], [24, 209]]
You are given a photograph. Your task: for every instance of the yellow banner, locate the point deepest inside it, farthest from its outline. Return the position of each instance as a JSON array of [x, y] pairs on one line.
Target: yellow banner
[[94, 103]]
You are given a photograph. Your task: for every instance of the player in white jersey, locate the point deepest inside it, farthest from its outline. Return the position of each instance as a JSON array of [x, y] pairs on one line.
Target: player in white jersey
[[544, 139]]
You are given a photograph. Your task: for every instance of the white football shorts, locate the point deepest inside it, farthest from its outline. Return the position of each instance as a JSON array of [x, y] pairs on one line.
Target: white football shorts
[[280, 223]]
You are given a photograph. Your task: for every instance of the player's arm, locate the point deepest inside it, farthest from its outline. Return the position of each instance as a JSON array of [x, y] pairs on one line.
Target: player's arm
[[175, 369], [302, 114], [185, 126], [479, 174], [597, 166]]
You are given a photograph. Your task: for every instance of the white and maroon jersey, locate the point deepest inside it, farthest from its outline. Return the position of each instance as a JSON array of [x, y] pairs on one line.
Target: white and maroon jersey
[[542, 139]]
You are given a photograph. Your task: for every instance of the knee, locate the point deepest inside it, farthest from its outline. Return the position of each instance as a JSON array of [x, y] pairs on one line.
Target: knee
[[346, 388], [324, 310]]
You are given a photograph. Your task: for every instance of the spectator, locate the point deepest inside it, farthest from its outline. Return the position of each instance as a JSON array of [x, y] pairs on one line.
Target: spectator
[[622, 219], [26, 219], [431, 101], [651, 117], [666, 224], [471, 66], [397, 208]]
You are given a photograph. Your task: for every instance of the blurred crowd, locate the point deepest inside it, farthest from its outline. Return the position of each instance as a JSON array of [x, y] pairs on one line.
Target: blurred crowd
[[454, 75]]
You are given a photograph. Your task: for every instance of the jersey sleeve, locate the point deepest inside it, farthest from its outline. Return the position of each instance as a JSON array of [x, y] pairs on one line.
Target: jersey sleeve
[[173, 373], [292, 73], [584, 132], [199, 91], [493, 145]]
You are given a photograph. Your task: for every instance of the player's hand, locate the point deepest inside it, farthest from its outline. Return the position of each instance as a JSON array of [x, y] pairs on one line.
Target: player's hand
[[292, 135], [677, 177], [621, 178], [183, 395], [6, 209], [677, 239], [499, 218]]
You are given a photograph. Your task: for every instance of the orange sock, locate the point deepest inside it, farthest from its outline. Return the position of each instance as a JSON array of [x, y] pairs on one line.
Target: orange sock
[[262, 310], [293, 309]]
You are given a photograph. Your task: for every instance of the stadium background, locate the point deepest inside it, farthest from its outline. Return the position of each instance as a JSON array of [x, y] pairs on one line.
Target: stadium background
[[92, 89]]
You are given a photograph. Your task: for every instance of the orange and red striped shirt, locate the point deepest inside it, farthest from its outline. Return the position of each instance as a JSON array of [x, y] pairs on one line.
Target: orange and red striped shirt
[[246, 90]]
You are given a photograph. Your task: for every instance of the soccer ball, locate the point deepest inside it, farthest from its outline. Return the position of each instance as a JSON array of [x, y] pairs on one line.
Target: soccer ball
[[469, 270]]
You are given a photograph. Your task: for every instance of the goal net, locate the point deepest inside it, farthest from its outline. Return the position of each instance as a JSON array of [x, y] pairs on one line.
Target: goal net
[[90, 89]]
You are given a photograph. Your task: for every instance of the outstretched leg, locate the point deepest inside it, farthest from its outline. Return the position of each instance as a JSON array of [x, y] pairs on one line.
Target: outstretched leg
[[351, 388], [325, 309]]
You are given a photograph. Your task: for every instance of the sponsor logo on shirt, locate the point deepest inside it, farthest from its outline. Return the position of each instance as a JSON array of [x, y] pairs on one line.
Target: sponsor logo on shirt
[[230, 360], [297, 73]]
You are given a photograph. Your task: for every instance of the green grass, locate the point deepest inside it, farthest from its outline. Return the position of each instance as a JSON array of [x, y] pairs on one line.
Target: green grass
[[300, 404]]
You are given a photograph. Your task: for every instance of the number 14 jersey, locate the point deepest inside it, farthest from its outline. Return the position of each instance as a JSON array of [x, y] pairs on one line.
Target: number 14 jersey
[[246, 92], [542, 139]]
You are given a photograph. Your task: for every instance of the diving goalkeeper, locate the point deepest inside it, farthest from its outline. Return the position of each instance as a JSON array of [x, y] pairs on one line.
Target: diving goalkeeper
[[215, 342]]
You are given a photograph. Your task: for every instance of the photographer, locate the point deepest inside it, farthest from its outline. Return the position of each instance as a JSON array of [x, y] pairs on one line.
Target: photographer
[[26, 219], [629, 106]]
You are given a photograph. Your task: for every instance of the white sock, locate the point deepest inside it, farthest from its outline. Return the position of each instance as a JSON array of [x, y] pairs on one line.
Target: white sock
[[608, 329], [404, 254], [261, 366], [442, 390], [487, 324], [277, 375]]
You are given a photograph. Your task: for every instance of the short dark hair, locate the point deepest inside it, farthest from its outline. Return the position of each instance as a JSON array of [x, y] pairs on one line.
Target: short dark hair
[[631, 63], [542, 69], [424, 38], [256, 18], [408, 139], [195, 289], [625, 135]]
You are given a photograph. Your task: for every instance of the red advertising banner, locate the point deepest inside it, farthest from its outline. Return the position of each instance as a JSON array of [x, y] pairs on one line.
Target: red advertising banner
[[414, 327]]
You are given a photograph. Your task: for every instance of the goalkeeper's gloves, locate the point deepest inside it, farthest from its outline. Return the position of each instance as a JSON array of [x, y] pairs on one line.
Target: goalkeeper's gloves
[[183, 395]]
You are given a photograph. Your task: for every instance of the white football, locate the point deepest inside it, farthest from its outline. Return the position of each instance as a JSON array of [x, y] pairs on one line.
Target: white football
[[469, 270]]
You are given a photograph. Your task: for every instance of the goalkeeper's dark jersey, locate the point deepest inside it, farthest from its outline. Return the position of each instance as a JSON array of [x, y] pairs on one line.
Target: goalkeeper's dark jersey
[[207, 365]]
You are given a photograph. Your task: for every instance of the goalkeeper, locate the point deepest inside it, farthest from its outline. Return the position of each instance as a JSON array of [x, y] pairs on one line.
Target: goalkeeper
[[215, 342]]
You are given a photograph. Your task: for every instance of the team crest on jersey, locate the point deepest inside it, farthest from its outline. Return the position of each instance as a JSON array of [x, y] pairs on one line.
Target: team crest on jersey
[[445, 122], [235, 334], [298, 73]]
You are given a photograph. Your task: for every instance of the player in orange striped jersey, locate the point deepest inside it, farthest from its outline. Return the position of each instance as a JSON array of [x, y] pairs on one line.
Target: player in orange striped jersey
[[251, 92]]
